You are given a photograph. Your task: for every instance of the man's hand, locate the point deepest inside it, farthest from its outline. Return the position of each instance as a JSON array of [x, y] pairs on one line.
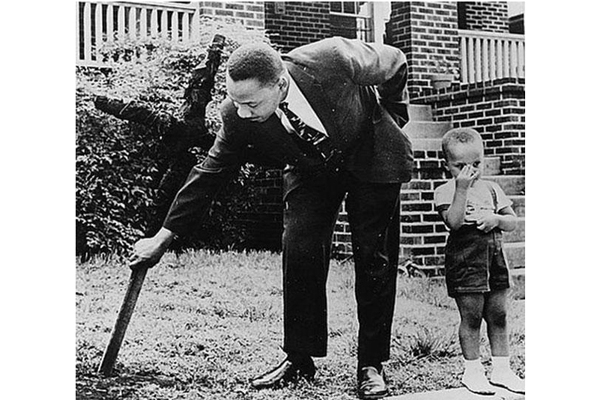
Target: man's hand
[[148, 252]]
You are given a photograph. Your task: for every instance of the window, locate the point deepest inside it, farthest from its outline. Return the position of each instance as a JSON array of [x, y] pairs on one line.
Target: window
[[352, 19]]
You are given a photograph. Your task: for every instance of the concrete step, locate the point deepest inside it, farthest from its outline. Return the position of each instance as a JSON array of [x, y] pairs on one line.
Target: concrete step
[[426, 144], [513, 185], [418, 112], [492, 166], [518, 235], [427, 129], [515, 254], [457, 394], [518, 205]]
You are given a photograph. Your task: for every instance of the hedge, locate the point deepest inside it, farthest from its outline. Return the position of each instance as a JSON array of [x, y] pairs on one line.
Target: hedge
[[120, 163]]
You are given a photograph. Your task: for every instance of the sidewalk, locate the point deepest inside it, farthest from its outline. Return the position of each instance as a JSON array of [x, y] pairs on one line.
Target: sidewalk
[[458, 394]]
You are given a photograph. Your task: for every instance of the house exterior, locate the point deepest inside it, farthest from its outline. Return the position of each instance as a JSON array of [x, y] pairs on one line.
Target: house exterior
[[471, 41]]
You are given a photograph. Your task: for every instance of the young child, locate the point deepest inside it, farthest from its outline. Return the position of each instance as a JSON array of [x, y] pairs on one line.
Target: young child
[[477, 277]]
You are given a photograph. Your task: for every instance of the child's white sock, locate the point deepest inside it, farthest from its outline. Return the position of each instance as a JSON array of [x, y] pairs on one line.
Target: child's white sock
[[503, 376], [474, 378]]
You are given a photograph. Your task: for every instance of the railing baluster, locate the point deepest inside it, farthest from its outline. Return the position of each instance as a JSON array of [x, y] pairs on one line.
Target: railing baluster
[[77, 35], [521, 59], [143, 23], [471, 60], [493, 59], [477, 60], [154, 23], [164, 25], [513, 60], [463, 60], [185, 33], [485, 58], [500, 64], [110, 28], [132, 23], [195, 34], [120, 22], [506, 55], [98, 31], [174, 27], [87, 31]]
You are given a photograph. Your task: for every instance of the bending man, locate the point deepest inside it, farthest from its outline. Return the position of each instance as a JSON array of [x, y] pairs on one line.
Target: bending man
[[331, 112]]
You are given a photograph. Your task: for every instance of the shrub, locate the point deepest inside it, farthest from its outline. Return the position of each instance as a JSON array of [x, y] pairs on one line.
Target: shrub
[[119, 164]]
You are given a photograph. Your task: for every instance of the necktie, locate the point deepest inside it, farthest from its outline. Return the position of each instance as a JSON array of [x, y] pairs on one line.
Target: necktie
[[308, 134]]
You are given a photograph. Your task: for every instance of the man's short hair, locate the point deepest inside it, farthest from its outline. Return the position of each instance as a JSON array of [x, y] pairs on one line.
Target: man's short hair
[[460, 135], [255, 61]]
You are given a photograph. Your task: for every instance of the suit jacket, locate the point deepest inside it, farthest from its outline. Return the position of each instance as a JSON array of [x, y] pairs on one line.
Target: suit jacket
[[358, 91]]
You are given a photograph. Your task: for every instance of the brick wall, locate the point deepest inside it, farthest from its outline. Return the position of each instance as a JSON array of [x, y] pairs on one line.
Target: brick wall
[[251, 14], [423, 234], [427, 32], [292, 23], [495, 108], [264, 224], [489, 16]]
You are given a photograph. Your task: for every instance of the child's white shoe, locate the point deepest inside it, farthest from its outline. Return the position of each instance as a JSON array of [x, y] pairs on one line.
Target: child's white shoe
[[474, 379], [508, 380]]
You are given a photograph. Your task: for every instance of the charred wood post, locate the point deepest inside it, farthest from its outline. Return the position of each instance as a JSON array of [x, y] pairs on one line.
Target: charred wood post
[[176, 135]]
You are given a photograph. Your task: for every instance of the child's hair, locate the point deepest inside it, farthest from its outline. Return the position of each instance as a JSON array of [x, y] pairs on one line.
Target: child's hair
[[460, 135]]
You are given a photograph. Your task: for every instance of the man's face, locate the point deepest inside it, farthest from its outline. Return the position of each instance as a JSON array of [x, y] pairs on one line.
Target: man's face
[[254, 101]]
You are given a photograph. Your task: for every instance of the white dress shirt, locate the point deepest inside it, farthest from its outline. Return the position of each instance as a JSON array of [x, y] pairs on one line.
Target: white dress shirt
[[298, 104]]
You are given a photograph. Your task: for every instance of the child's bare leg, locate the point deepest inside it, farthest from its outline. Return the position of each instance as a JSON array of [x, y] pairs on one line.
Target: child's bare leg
[[494, 313], [495, 318], [470, 307]]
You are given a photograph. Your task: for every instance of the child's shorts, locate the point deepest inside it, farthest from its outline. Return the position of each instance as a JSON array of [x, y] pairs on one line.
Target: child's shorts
[[475, 262]]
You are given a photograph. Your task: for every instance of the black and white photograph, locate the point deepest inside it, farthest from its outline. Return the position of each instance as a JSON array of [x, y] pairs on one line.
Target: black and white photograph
[[300, 200], [252, 200]]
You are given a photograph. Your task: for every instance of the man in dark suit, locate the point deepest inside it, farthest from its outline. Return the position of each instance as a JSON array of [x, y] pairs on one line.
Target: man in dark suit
[[331, 113]]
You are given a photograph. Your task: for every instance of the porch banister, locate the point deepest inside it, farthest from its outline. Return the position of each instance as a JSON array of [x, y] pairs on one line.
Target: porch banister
[[487, 56]]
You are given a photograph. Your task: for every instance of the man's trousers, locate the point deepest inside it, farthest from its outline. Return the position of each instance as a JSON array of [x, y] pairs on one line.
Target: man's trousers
[[311, 208]]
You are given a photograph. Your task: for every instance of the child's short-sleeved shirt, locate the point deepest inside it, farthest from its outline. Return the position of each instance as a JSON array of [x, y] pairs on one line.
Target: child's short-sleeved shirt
[[483, 195]]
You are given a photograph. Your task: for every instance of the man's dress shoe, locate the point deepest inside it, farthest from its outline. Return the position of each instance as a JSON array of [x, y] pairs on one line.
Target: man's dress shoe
[[286, 372], [371, 384]]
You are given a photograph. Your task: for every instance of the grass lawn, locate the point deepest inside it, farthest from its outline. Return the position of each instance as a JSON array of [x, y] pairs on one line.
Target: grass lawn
[[206, 323]]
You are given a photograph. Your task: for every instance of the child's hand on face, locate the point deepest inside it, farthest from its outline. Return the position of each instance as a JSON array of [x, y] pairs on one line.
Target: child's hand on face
[[466, 177]]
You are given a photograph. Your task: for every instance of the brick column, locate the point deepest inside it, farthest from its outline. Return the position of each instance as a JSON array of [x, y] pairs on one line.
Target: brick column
[[488, 16], [248, 13], [291, 24], [427, 32]]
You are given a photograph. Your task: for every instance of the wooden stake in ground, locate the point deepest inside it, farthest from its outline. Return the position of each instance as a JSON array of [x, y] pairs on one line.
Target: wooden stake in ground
[[118, 333], [180, 135]]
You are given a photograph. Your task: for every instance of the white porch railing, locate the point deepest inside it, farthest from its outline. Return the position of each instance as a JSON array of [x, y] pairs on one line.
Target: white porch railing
[[487, 56], [100, 22]]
